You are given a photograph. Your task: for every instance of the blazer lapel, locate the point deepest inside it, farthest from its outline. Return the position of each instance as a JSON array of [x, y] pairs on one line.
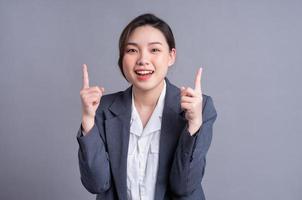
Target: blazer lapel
[[117, 134], [173, 123]]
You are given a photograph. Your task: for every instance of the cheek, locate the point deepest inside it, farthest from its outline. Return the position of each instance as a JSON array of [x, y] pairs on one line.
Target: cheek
[[125, 64], [128, 60], [162, 61], [128, 65]]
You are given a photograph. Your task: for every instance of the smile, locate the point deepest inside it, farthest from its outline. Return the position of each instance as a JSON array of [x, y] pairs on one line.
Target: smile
[[144, 72]]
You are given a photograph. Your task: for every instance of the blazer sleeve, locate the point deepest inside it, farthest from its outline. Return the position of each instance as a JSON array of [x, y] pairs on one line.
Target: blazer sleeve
[[190, 157], [93, 158]]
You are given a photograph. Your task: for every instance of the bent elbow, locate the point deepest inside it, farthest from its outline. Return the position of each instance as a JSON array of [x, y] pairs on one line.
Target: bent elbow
[[96, 187]]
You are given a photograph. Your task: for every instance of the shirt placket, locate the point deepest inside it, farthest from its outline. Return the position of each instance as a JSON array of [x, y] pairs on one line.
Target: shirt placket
[[143, 145]]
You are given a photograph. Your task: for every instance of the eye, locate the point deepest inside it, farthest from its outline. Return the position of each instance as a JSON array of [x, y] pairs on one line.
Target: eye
[[154, 50], [130, 50]]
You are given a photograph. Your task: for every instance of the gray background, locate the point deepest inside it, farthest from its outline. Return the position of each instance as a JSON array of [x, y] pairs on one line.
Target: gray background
[[251, 52]]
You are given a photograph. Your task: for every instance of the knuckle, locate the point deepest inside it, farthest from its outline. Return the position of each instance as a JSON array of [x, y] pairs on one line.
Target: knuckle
[[97, 88], [93, 88], [82, 92], [85, 99]]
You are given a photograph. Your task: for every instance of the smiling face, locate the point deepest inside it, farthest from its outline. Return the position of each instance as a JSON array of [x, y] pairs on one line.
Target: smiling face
[[147, 58]]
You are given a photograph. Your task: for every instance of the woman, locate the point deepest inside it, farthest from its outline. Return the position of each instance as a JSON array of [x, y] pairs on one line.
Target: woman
[[149, 141]]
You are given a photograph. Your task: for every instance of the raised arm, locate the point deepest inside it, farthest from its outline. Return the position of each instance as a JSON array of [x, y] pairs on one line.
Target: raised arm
[[190, 157], [93, 158]]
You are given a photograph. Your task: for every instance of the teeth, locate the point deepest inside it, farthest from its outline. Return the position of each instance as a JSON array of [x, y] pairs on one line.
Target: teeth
[[143, 72]]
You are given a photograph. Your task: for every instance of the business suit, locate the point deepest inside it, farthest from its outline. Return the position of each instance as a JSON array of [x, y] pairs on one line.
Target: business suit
[[182, 158]]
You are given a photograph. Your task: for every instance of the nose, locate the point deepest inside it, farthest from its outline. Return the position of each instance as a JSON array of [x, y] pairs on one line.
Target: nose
[[143, 59]]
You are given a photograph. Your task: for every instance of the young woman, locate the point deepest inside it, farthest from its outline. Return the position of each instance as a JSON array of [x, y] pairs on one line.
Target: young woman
[[151, 140]]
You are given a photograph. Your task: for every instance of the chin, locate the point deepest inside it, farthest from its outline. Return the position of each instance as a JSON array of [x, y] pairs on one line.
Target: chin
[[147, 85]]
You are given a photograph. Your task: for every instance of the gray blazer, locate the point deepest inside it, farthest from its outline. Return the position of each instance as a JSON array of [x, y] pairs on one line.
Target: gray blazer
[[182, 158]]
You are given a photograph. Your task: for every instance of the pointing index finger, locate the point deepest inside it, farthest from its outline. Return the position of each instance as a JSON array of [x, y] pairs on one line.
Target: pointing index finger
[[85, 77], [198, 80]]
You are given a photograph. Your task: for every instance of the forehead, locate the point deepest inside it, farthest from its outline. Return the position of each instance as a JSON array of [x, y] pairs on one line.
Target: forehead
[[146, 34]]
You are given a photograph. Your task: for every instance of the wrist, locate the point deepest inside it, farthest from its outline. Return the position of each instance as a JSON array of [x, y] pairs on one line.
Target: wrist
[[87, 123], [193, 128]]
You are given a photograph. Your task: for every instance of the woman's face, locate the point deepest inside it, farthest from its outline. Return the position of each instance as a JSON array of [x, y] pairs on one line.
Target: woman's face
[[147, 58]]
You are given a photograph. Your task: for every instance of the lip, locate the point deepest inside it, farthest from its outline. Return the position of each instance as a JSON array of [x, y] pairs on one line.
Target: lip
[[140, 71], [143, 74], [143, 69], [144, 77]]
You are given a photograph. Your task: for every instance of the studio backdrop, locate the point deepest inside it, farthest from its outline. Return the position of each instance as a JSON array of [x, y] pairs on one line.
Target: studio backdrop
[[252, 66]]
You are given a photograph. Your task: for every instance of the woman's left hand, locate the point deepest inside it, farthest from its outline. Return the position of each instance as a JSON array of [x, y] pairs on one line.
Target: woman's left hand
[[191, 102]]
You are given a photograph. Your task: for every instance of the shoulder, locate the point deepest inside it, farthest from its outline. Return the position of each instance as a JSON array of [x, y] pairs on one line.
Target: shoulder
[[108, 99]]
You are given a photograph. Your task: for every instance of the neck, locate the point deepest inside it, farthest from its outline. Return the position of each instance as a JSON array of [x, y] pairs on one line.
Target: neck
[[147, 98]]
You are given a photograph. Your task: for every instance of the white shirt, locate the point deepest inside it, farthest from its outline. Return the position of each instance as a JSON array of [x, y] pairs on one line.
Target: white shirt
[[143, 152]]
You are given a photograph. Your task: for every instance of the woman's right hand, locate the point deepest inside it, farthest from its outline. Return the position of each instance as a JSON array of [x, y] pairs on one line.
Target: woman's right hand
[[90, 97]]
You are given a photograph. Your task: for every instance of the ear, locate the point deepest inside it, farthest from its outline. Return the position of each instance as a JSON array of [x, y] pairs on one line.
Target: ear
[[172, 57]]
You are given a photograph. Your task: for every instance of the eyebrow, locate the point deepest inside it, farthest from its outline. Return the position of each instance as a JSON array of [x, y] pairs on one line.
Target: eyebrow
[[150, 43]]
